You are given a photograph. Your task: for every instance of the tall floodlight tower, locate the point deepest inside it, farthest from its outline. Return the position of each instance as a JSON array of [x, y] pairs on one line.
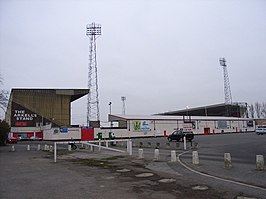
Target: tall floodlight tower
[[123, 98], [93, 31], [227, 90]]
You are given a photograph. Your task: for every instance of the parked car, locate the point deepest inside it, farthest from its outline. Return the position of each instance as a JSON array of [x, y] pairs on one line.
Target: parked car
[[12, 140], [261, 129], [178, 135]]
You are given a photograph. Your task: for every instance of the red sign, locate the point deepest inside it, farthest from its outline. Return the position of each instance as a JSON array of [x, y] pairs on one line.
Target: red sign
[[21, 124]]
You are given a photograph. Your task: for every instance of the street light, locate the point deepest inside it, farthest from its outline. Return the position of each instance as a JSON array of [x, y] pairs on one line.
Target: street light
[[110, 104]]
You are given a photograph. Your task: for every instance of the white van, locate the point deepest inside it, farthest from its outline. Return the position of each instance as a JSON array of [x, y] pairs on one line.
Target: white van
[[261, 129]]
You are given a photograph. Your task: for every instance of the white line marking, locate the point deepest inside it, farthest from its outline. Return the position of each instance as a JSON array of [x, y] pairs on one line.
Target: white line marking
[[214, 177]]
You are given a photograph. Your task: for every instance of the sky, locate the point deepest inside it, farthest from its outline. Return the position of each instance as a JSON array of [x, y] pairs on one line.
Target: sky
[[162, 55]]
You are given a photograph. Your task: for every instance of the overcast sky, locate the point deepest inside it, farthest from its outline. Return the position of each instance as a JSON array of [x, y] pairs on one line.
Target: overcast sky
[[163, 55]]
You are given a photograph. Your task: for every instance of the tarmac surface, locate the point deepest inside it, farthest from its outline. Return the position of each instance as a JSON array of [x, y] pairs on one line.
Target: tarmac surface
[[106, 174]]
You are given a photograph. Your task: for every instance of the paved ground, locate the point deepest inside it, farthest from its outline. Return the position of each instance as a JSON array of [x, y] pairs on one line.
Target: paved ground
[[83, 174]]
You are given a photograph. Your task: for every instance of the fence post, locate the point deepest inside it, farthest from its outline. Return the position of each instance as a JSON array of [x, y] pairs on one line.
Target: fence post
[[185, 143], [55, 151]]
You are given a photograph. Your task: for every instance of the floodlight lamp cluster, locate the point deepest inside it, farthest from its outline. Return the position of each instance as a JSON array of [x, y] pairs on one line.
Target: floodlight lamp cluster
[[93, 29], [222, 61]]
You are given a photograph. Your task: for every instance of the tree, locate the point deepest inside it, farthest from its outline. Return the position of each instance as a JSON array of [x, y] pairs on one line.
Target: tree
[[252, 110], [263, 109], [3, 96], [4, 130], [258, 109]]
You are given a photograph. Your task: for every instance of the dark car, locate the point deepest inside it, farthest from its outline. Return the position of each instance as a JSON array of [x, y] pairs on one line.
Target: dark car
[[178, 135]]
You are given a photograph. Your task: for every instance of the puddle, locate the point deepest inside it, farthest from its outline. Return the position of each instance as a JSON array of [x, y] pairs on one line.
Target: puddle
[[144, 175]]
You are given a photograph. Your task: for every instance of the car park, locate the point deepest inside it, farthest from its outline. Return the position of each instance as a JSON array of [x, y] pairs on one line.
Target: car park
[[179, 135]]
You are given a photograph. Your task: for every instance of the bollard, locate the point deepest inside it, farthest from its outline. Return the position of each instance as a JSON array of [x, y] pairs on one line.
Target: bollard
[[227, 160], [69, 147], [195, 157], [92, 149], [259, 162], [156, 154], [13, 148], [173, 156], [28, 147], [38, 147], [140, 153], [51, 148], [106, 143], [185, 143], [100, 144], [46, 147], [129, 147]]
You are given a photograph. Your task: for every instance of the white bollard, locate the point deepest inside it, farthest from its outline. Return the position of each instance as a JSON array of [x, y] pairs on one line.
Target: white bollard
[[227, 160], [130, 147], [28, 147], [45, 147], [51, 148], [91, 148], [39, 147], [106, 144], [69, 147], [173, 156], [195, 157], [185, 143], [100, 144], [13, 148], [55, 150], [156, 154], [259, 162], [140, 153]]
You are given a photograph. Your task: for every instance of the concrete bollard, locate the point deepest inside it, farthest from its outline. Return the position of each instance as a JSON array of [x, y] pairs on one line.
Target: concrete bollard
[[140, 153], [46, 147], [106, 144], [28, 147], [173, 156], [13, 148], [156, 154], [195, 157], [259, 162], [69, 147], [227, 160], [38, 147]]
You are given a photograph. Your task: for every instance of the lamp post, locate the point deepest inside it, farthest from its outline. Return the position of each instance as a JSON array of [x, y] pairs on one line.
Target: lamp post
[[110, 104]]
